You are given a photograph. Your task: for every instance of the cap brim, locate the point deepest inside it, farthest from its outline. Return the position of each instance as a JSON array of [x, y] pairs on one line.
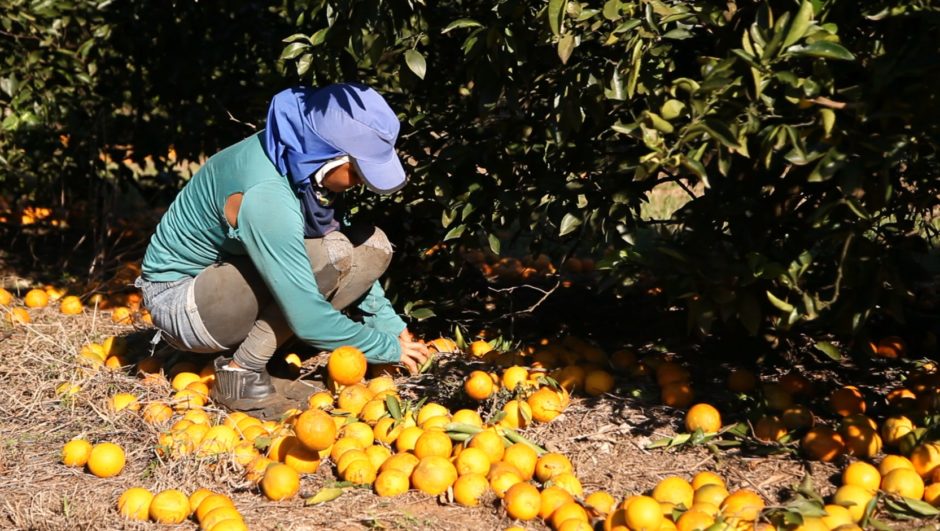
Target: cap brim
[[382, 177]]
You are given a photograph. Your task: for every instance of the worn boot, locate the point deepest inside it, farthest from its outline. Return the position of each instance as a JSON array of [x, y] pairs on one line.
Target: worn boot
[[248, 391]]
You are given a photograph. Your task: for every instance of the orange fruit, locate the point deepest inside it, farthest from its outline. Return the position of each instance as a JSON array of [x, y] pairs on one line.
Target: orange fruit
[[353, 398], [643, 513], [853, 498], [36, 298], [408, 438], [932, 494], [320, 400], [71, 305], [569, 482], [551, 499], [18, 316], [217, 440], [926, 458], [479, 386], [891, 461], [514, 376], [433, 442], [545, 405], [798, 417], [891, 347], [280, 482], [568, 511], [403, 462], [847, 400], [434, 475], [503, 476], [904, 482], [210, 503], [706, 477], [315, 429], [694, 521], [347, 365], [776, 397], [169, 507], [391, 482], [678, 395], [157, 413], [470, 488], [600, 502], [703, 416], [522, 501], [359, 431], [430, 410], [106, 460], [742, 505], [571, 377], [479, 348], [822, 443], [622, 360], [523, 457], [670, 372], [711, 493], [472, 460], [893, 429], [795, 383], [300, 458], [490, 443], [836, 515], [598, 382], [550, 465], [76, 452], [674, 490], [360, 472], [5, 297], [134, 504], [862, 474], [860, 440], [220, 514], [468, 416], [769, 428], [121, 315], [516, 414]]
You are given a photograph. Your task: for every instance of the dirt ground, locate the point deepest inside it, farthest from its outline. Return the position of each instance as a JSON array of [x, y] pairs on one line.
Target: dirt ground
[[606, 439]]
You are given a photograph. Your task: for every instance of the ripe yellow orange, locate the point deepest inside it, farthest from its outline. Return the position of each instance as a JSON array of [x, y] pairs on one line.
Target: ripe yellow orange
[[210, 503], [121, 315], [280, 482], [545, 404], [491, 444], [642, 513], [503, 476], [847, 400], [408, 438], [822, 443], [106, 460], [674, 490], [571, 377], [550, 465], [403, 462], [862, 474], [392, 483], [669, 372], [134, 504], [552, 498], [860, 440], [853, 498], [904, 482], [522, 501], [926, 458], [523, 457], [890, 347], [320, 400], [470, 488], [743, 505], [769, 428], [600, 503], [387, 430], [433, 442], [36, 298], [703, 416], [472, 460], [479, 386], [479, 348], [836, 515], [430, 410], [932, 494], [468, 416], [300, 458], [798, 417], [893, 429], [891, 462], [217, 440], [353, 398], [347, 365], [569, 482], [434, 475], [706, 477], [219, 514], [76, 452], [516, 414], [711, 493], [19, 316], [315, 429], [694, 521], [598, 382], [71, 305], [571, 510], [169, 507], [360, 472], [678, 395], [359, 431], [514, 376], [157, 413], [5, 297]]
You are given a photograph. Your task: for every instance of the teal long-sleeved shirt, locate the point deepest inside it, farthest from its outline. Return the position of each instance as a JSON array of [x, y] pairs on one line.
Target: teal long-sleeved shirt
[[194, 234]]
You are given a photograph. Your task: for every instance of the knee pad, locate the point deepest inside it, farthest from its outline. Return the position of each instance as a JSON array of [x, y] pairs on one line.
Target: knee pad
[[339, 251]]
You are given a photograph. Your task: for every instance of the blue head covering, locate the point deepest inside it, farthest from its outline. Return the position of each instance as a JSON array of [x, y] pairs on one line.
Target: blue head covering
[[307, 127]]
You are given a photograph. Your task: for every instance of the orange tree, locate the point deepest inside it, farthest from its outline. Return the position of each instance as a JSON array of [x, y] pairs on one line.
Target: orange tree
[[804, 131]]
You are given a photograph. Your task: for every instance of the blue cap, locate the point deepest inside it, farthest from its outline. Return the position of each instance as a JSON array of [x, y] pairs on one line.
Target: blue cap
[[307, 127]]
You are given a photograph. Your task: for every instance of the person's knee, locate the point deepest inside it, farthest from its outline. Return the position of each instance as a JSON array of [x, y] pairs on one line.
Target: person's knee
[[337, 248], [374, 253]]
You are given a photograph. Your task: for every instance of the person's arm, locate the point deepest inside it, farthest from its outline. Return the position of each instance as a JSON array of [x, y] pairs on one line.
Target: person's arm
[[273, 239], [378, 312]]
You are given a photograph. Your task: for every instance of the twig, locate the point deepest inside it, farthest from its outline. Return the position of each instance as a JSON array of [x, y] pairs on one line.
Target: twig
[[545, 295]]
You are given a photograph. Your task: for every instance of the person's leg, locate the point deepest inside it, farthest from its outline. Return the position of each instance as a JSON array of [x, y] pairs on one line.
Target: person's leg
[[371, 255]]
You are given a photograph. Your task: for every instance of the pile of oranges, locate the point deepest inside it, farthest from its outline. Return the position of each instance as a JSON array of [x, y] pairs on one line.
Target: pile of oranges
[[126, 311]]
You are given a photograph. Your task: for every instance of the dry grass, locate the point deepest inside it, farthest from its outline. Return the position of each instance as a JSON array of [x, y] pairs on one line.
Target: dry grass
[[605, 438]]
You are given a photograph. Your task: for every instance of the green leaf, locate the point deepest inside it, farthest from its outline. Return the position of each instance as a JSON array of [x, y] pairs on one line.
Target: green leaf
[[828, 118], [324, 495], [565, 47], [671, 109], [461, 23], [303, 64], [721, 132], [612, 10], [828, 349], [422, 313], [455, 232], [800, 24], [568, 224], [556, 15], [416, 63], [780, 304], [293, 50], [494, 243], [919, 507], [824, 49]]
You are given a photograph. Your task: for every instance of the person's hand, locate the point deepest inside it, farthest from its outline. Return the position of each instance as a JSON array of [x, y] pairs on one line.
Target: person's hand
[[413, 353]]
